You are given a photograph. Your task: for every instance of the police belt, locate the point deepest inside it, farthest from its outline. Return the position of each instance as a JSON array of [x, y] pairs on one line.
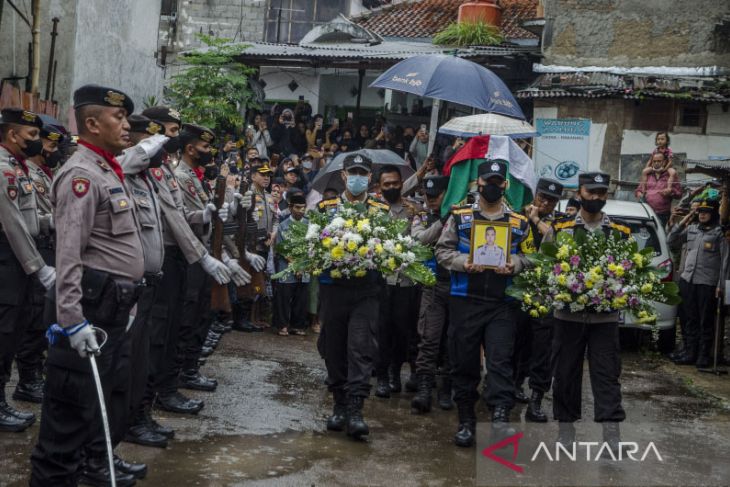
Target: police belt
[[152, 279], [107, 300]]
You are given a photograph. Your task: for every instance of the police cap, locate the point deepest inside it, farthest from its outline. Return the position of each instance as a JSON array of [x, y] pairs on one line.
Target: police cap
[[549, 187], [594, 180], [435, 185], [495, 167], [163, 114], [141, 124], [357, 161]]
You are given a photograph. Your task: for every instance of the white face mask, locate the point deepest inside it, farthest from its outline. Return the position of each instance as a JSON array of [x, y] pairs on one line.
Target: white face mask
[[307, 165]]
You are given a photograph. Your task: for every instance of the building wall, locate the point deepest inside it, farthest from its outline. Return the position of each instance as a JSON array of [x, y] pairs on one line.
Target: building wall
[[637, 33]]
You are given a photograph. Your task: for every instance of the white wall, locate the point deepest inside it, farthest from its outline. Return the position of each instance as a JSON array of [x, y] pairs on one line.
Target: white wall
[[718, 121], [277, 80]]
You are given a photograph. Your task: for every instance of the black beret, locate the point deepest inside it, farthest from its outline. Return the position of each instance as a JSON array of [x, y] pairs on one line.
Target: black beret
[[20, 117], [140, 124], [102, 96], [496, 167], [163, 114], [594, 180], [549, 187], [192, 131], [357, 160], [295, 196], [434, 185]]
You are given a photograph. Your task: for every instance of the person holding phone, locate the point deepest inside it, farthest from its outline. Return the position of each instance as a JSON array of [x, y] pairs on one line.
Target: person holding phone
[[419, 146]]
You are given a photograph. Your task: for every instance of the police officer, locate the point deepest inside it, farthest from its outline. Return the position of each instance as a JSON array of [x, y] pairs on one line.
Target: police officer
[[598, 332], [534, 335], [100, 272], [433, 317], [480, 313], [703, 279], [182, 247], [349, 314], [33, 343], [21, 262], [397, 340]]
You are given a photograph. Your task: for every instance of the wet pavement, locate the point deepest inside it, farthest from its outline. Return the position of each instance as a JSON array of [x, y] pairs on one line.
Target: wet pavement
[[265, 425]]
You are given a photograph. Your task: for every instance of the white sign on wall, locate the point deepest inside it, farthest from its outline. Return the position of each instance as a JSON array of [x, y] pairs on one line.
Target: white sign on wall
[[562, 150]]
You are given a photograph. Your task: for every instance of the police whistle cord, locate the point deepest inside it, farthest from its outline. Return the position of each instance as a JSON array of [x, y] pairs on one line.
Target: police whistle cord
[[52, 334]]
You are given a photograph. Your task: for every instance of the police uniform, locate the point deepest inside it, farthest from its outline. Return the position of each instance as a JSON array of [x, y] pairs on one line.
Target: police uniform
[[349, 314], [99, 277], [705, 270], [433, 319], [29, 357], [533, 342], [20, 259], [574, 333], [480, 312]]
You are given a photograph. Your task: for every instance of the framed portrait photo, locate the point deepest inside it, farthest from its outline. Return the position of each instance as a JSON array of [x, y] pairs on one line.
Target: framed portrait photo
[[490, 243]]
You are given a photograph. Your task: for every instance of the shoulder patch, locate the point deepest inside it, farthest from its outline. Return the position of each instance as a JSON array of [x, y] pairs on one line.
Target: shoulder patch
[[157, 173], [462, 210], [80, 186], [191, 188], [12, 192]]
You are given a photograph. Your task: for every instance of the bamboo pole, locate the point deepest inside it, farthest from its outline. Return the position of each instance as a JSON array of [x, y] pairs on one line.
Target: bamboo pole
[[36, 31]]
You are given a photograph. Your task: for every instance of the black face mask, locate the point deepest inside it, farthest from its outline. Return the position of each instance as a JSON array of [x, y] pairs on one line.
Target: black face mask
[[32, 147], [172, 145], [211, 172], [204, 158], [593, 206], [491, 192], [52, 159], [392, 195], [156, 160]]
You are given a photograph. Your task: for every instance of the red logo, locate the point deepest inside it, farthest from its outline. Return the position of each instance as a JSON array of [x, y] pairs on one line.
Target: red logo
[[513, 440], [80, 186]]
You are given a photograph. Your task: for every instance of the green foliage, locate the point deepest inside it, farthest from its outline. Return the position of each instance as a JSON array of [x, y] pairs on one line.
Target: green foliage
[[150, 101], [213, 89], [468, 34]]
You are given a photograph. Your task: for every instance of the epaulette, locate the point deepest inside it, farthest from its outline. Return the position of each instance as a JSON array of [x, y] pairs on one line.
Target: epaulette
[[461, 210], [378, 204], [519, 216], [327, 203], [621, 228], [569, 223]]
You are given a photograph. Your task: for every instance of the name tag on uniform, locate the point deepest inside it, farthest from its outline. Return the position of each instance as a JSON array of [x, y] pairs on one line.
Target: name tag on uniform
[[117, 190]]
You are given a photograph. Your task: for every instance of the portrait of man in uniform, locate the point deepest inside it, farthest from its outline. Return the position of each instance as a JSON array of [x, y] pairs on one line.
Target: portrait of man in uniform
[[490, 244]]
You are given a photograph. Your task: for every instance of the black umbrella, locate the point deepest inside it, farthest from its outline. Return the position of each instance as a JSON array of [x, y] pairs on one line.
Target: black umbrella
[[329, 176]]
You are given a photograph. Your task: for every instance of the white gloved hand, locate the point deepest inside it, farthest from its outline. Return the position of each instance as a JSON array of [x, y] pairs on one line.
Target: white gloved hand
[[208, 212], [257, 262], [153, 145], [216, 269], [223, 212], [245, 200], [47, 276], [238, 275], [83, 339]]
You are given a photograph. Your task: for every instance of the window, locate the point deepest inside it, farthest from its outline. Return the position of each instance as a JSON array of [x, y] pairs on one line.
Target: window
[[288, 21], [691, 118], [168, 8]]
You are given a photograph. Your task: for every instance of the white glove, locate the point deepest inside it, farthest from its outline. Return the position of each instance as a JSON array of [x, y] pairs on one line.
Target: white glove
[[83, 339], [216, 269], [223, 212], [238, 275], [257, 262], [47, 276], [244, 201], [208, 212], [153, 145]]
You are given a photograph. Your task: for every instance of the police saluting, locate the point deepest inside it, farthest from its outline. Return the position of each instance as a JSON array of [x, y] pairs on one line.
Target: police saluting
[[480, 312], [598, 332], [20, 259], [100, 274]]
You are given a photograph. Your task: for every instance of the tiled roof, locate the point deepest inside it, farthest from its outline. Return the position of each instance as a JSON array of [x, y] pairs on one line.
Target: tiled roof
[[424, 18]]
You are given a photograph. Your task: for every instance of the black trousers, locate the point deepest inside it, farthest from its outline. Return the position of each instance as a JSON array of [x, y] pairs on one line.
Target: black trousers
[[604, 364], [701, 308], [196, 318], [140, 350], [164, 325], [290, 305], [523, 347], [397, 327], [533, 349], [474, 324], [433, 321], [349, 313], [71, 428]]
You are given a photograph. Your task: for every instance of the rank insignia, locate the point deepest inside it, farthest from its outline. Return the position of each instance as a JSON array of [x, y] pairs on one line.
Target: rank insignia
[[28, 116], [114, 98], [206, 136], [123, 203], [708, 245], [12, 192], [53, 136], [40, 187], [153, 128], [80, 186]]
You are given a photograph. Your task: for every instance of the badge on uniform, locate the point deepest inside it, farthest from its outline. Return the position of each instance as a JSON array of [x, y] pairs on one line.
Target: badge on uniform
[[80, 186], [12, 192], [40, 187], [708, 246], [157, 173], [191, 188]]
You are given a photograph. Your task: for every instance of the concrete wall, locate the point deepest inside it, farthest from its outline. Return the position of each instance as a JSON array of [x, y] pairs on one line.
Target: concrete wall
[[637, 32]]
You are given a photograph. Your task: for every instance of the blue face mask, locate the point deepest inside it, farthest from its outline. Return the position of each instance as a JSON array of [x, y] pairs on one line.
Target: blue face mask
[[356, 184]]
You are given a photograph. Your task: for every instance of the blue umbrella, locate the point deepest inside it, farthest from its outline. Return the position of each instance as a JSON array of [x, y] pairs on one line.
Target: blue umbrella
[[453, 79]]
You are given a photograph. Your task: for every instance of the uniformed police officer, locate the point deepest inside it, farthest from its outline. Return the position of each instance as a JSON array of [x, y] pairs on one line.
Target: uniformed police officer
[[533, 343], [480, 313], [349, 314], [434, 312], [702, 280], [33, 343], [20, 259], [100, 272], [598, 332]]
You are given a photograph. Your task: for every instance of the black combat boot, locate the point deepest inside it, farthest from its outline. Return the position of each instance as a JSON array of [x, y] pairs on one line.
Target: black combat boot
[[467, 426], [29, 391], [139, 432], [421, 402], [534, 411], [382, 389], [7, 409], [165, 431], [500, 422], [192, 379], [96, 473], [9, 419], [177, 403], [444, 394], [338, 420], [520, 395], [136, 470], [356, 425], [395, 382]]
